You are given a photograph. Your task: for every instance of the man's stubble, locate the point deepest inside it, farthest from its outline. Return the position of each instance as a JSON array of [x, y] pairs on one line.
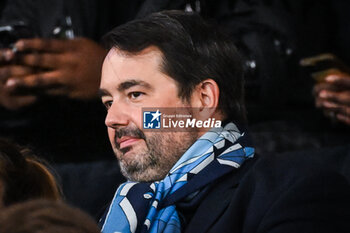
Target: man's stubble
[[153, 163]]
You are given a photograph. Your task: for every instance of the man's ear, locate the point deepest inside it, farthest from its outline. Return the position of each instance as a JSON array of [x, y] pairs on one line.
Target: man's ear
[[206, 96]]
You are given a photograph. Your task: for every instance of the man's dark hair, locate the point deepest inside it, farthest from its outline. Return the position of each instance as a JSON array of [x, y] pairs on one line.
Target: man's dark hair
[[193, 50]]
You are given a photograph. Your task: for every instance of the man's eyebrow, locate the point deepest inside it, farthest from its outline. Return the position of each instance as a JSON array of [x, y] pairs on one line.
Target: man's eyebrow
[[133, 82], [102, 92]]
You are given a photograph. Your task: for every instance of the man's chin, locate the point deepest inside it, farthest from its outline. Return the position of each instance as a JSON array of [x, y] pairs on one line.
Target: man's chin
[[133, 170], [135, 166], [131, 157], [153, 160], [134, 174]]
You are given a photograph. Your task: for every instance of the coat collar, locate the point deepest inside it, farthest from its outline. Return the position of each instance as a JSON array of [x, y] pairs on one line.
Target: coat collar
[[217, 200]]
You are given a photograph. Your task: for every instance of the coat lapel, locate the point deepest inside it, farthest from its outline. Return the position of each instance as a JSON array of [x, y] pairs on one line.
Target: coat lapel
[[216, 202]]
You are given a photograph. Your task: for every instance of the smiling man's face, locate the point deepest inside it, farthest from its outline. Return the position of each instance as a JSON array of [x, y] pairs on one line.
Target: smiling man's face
[[130, 83]]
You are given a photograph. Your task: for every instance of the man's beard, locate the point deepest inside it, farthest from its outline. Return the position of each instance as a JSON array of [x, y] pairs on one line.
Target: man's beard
[[153, 163]]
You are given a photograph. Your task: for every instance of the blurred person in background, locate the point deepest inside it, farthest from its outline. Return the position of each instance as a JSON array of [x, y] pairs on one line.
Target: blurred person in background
[[50, 65], [38, 216], [24, 177]]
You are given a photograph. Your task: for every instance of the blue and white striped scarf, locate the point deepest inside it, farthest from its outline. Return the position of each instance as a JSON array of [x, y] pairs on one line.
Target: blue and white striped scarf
[[151, 207]]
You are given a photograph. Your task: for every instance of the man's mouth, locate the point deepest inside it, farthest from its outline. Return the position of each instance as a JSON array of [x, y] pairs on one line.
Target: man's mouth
[[127, 141]]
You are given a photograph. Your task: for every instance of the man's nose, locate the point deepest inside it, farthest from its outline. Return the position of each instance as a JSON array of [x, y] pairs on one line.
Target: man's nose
[[117, 116]]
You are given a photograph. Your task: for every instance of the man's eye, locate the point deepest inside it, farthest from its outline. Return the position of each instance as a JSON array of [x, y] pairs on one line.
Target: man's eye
[[135, 95], [107, 104]]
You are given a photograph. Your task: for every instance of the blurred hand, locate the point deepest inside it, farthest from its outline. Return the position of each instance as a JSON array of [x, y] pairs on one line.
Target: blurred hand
[[62, 67], [333, 96], [13, 101], [8, 98]]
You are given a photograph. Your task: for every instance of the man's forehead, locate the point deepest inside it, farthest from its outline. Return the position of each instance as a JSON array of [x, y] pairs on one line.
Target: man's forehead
[[119, 62], [120, 66], [150, 52]]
